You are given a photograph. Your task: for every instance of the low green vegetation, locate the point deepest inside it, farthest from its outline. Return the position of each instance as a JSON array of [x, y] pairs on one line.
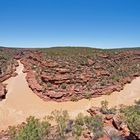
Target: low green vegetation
[[105, 109], [63, 86], [88, 95], [78, 126], [33, 129], [132, 117], [93, 124]]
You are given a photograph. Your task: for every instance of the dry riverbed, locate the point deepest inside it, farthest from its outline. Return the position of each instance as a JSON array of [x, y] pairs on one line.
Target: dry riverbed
[[21, 102]]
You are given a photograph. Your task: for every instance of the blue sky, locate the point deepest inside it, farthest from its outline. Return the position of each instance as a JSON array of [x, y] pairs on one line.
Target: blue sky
[[47, 23]]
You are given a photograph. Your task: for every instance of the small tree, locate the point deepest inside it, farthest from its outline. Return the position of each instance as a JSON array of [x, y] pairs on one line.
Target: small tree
[[78, 126], [105, 109], [77, 130], [104, 106], [61, 117]]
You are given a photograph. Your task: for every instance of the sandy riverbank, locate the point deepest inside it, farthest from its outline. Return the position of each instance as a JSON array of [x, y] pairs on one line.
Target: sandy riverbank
[[21, 102]]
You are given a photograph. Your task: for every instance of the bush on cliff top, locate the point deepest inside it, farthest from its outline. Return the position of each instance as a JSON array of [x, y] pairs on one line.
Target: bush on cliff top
[[132, 117]]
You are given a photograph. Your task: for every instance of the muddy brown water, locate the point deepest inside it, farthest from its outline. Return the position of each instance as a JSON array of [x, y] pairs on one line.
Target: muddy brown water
[[21, 102]]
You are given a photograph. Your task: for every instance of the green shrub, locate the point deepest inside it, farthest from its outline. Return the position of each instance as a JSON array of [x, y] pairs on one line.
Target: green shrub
[[95, 125], [77, 130], [88, 95], [63, 86], [80, 119], [33, 130], [49, 84], [132, 118], [105, 109], [78, 126]]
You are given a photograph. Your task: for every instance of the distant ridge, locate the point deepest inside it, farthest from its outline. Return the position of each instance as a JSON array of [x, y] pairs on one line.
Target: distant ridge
[[70, 47]]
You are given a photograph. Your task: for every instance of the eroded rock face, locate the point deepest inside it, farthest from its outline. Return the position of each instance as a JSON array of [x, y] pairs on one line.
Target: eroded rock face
[[33, 84], [62, 75]]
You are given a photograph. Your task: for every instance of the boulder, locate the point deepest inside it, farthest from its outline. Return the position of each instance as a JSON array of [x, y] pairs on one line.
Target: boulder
[[111, 131], [105, 137], [109, 117], [117, 121], [108, 120], [125, 130], [94, 111]]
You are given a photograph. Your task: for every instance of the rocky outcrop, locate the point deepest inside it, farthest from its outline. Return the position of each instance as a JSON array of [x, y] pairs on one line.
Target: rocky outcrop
[[114, 125], [33, 84], [94, 111]]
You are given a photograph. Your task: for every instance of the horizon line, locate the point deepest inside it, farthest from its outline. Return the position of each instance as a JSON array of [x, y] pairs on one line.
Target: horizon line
[[63, 46]]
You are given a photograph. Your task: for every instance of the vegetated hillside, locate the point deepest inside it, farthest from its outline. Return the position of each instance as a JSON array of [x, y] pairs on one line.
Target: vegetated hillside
[[102, 124], [73, 73], [7, 67]]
